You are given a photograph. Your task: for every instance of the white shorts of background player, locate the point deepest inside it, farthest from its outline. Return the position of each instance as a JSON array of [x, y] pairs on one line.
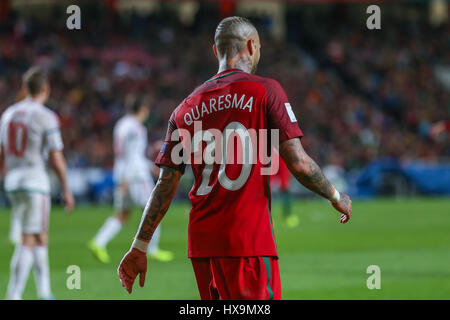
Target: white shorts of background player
[[30, 213]]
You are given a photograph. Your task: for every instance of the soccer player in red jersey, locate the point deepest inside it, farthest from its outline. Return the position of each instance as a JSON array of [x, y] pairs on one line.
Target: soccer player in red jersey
[[230, 236]]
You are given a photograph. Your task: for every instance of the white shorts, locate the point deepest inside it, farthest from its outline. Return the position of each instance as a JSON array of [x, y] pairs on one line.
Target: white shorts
[[137, 194], [32, 210]]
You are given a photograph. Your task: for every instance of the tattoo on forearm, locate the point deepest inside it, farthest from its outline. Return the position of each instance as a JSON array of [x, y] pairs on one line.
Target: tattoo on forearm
[[159, 202], [305, 170]]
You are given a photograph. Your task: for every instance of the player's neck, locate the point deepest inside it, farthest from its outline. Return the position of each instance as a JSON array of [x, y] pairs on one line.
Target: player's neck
[[139, 117], [240, 63], [40, 98]]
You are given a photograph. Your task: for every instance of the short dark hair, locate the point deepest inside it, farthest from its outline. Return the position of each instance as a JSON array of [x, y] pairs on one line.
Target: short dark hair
[[34, 80], [231, 34], [134, 102]]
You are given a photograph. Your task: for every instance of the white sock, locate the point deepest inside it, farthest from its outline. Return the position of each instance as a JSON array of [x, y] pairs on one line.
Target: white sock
[[154, 243], [12, 271], [42, 272], [108, 231], [20, 271]]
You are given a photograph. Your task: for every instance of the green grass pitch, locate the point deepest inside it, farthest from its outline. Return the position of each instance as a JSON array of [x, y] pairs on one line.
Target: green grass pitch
[[409, 239]]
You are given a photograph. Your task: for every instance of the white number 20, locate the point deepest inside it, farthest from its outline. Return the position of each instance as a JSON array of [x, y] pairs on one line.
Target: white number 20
[[233, 128]]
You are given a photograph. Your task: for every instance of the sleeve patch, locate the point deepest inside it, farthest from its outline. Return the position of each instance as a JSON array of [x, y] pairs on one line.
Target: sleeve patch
[[290, 112]]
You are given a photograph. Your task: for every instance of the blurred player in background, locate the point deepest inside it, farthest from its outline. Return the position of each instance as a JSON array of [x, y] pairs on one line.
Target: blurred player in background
[[29, 134], [133, 178], [15, 231], [282, 178], [439, 127], [230, 236]]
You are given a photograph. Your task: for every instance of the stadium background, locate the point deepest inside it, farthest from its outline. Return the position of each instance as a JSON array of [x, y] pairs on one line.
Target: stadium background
[[368, 101]]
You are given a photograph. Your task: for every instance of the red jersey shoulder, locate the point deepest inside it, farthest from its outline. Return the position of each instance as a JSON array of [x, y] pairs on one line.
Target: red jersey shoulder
[[280, 113], [272, 88]]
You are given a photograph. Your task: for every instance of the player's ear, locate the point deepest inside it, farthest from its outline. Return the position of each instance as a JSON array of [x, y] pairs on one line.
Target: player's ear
[[47, 89], [251, 46], [215, 51]]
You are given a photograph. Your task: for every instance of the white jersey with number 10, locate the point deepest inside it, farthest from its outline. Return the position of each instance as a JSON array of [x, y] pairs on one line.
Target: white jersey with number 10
[[28, 131]]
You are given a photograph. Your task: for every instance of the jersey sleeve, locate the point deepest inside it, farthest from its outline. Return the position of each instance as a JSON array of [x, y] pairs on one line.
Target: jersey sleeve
[[117, 144], [279, 112], [2, 126], [164, 157], [52, 132]]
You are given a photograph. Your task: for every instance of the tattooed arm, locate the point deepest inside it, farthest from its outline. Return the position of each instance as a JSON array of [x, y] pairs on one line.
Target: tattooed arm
[[135, 261], [309, 174], [159, 202]]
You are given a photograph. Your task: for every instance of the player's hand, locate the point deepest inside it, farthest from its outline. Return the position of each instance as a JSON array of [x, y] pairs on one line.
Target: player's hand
[[436, 129], [344, 206], [133, 263], [69, 200]]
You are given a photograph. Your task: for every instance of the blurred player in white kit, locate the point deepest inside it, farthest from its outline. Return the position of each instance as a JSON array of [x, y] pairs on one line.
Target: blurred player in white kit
[[132, 176], [30, 134]]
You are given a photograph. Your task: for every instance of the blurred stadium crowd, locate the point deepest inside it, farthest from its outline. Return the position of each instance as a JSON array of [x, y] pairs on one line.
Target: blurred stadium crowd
[[358, 94]]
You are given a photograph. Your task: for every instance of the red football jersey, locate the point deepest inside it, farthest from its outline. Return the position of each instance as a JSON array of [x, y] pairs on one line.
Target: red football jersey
[[230, 213]]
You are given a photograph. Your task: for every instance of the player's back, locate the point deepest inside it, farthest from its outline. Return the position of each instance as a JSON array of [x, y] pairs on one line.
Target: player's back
[[231, 198], [130, 145], [28, 131]]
